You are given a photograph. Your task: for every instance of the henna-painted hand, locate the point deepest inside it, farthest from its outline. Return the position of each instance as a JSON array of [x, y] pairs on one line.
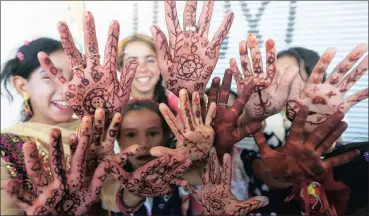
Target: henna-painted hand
[[93, 85], [63, 193], [227, 133], [195, 139], [215, 194], [154, 178], [297, 159], [270, 91], [326, 98], [189, 59]]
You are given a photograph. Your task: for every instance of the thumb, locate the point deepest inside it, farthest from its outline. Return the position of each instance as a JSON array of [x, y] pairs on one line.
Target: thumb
[[159, 151], [289, 75]]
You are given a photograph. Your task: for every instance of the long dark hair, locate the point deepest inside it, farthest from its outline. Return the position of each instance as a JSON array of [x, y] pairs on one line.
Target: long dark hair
[[159, 92], [26, 62]]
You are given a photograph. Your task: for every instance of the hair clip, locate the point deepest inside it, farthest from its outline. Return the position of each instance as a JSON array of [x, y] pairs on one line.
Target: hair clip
[[27, 42], [366, 155], [20, 56]]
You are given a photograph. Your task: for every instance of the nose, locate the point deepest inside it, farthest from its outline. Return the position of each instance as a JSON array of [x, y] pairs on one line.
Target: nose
[[142, 67], [144, 142]]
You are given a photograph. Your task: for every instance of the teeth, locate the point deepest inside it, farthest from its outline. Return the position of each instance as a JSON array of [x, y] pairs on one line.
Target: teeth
[[61, 103], [143, 79]]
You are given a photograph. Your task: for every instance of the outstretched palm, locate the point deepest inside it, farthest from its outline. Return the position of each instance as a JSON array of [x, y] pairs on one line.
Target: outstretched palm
[[189, 59], [93, 85], [326, 98]]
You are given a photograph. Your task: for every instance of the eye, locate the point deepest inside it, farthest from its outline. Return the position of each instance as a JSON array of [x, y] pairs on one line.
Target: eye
[[130, 134], [150, 59], [153, 133]]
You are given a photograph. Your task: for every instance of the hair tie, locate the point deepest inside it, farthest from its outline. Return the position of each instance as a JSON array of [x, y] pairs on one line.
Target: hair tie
[[20, 56]]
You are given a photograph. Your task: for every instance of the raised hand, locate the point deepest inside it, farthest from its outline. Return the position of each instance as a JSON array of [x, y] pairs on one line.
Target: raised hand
[[299, 159], [63, 193], [93, 85], [270, 91], [215, 194], [154, 178], [227, 133], [196, 137], [326, 98], [189, 59]]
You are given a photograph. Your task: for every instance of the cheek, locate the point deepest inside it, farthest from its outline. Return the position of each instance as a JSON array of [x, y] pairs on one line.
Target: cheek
[[157, 140], [43, 93]]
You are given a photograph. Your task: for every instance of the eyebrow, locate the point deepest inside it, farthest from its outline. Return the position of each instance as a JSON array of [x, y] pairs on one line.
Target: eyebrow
[[127, 56]]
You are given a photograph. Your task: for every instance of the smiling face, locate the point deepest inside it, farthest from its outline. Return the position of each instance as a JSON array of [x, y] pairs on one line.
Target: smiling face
[[48, 104], [142, 127], [147, 74]]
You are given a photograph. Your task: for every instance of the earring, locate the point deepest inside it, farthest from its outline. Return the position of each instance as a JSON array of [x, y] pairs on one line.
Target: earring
[[27, 107]]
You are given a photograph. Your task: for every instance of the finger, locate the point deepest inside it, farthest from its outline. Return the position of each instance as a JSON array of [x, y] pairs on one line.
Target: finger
[[341, 159], [189, 14], [227, 171], [170, 119], [244, 58], [213, 93], [56, 155], [225, 87], [68, 44], [98, 127], [111, 48], [34, 166], [236, 73], [354, 76], [86, 126], [99, 177], [55, 75], [18, 195], [117, 171], [210, 115], [271, 62], [127, 153], [91, 45], [196, 109], [261, 142], [162, 49], [186, 110], [346, 64], [178, 168], [324, 129], [356, 98], [127, 75], [285, 82], [73, 142], [222, 31], [251, 204], [189, 188], [293, 101], [297, 127], [180, 183], [205, 178], [159, 151], [78, 165], [332, 137], [214, 167], [257, 61], [246, 131], [113, 131], [171, 19], [242, 99], [205, 17], [320, 68]]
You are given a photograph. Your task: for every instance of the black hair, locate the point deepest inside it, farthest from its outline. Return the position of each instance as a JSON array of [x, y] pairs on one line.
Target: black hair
[[309, 57], [26, 62]]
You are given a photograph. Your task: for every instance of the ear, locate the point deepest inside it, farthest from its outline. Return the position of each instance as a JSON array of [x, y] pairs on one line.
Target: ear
[[20, 84]]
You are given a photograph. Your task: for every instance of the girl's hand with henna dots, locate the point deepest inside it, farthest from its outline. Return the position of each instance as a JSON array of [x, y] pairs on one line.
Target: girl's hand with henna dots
[[227, 133], [93, 85], [190, 58], [270, 91], [154, 178], [326, 98], [65, 192], [215, 194], [196, 137], [299, 158]]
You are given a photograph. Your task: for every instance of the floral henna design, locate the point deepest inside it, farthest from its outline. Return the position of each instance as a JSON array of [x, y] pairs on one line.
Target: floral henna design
[[297, 159], [326, 98], [227, 132], [270, 91], [93, 85], [189, 59], [63, 193], [215, 194], [196, 137]]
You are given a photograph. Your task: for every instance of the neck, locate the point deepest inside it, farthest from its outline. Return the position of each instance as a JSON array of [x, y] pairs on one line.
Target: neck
[[142, 95]]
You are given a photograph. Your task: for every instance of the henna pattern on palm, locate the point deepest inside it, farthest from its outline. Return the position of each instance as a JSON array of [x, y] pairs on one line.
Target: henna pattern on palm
[[93, 85], [227, 132], [189, 59], [270, 91], [326, 98], [154, 178], [196, 137], [215, 194], [63, 193], [299, 159]]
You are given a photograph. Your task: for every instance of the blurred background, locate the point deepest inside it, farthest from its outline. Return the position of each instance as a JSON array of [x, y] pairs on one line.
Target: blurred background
[[316, 25]]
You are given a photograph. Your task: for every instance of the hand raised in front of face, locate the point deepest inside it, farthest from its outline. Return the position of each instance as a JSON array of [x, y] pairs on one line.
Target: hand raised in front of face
[[93, 85], [324, 99], [196, 137], [215, 193], [188, 60], [299, 159], [227, 132], [270, 91]]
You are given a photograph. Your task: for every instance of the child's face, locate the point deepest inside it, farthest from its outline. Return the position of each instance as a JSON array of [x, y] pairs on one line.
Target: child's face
[[142, 127]]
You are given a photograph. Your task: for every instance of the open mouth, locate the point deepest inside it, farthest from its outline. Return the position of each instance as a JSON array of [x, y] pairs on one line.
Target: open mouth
[[143, 80], [61, 104], [144, 158]]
